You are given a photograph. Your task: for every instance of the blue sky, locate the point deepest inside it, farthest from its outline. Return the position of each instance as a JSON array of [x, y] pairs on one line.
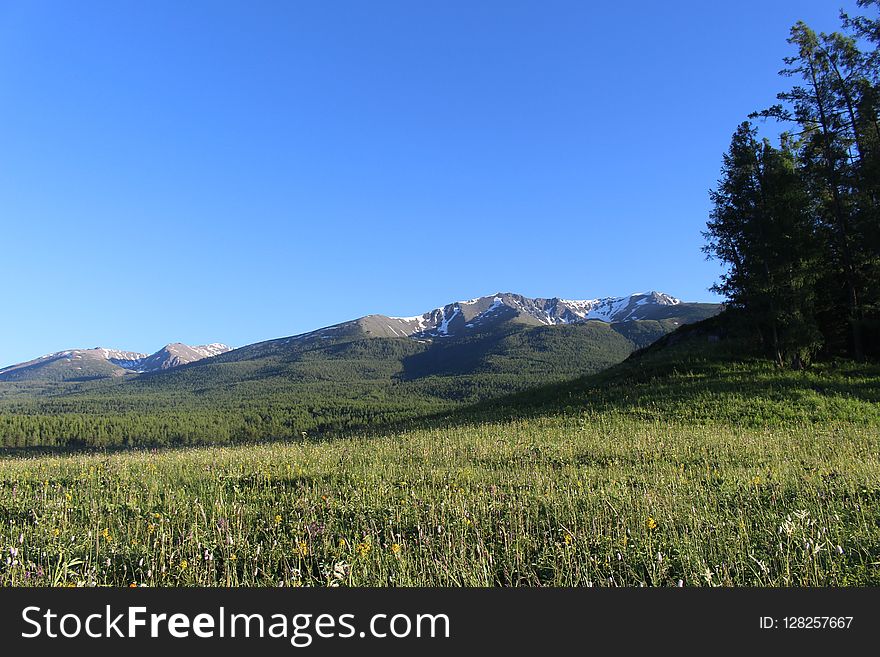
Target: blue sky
[[238, 171]]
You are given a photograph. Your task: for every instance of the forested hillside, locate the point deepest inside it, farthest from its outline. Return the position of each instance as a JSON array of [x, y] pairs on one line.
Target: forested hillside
[[285, 388]]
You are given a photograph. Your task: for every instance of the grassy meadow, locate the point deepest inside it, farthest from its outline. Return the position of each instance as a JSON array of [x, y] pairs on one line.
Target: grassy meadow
[[770, 479]]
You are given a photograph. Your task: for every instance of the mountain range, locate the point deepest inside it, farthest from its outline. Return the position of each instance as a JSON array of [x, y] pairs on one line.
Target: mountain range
[[461, 317], [496, 312], [366, 372], [493, 314], [99, 362]]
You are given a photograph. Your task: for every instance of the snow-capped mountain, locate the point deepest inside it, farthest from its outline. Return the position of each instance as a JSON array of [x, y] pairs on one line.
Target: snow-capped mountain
[[503, 311], [461, 317], [73, 364], [176, 354]]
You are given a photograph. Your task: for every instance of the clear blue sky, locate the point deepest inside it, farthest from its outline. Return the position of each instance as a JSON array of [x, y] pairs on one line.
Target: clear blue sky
[[238, 171]]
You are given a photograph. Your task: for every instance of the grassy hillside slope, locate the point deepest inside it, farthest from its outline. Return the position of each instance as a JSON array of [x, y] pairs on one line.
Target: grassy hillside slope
[[689, 376]]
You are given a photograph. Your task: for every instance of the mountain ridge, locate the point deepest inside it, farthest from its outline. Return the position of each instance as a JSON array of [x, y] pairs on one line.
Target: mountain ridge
[[457, 318], [439, 322], [100, 362], [455, 321]]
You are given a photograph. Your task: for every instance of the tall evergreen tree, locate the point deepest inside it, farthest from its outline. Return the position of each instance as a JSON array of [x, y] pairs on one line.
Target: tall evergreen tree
[[824, 159], [835, 108], [761, 228]]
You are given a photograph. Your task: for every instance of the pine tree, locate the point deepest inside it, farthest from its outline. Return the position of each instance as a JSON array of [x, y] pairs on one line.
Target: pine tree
[[835, 109], [761, 227]]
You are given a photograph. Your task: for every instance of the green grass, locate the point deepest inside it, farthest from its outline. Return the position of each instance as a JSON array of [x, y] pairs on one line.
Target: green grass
[[674, 467]]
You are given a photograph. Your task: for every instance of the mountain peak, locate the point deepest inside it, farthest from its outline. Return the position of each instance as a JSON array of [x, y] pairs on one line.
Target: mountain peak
[[175, 354]]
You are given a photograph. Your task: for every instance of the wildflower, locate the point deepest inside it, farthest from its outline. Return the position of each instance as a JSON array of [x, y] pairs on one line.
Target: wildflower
[[277, 519], [302, 548], [363, 548], [232, 557], [56, 532], [650, 523], [184, 564], [708, 575], [395, 548], [567, 539]]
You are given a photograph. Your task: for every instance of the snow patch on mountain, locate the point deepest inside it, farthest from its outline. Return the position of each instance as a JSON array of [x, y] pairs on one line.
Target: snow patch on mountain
[[443, 329], [213, 349]]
